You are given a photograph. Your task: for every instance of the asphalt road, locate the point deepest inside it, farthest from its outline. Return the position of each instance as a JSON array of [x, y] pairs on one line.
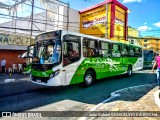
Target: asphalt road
[[24, 95]]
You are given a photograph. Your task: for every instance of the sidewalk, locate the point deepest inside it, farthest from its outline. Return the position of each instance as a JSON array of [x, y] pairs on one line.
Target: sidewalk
[[14, 77], [132, 99]]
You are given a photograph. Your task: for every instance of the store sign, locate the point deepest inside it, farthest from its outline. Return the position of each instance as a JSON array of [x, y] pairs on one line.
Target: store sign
[[14, 40], [94, 21]]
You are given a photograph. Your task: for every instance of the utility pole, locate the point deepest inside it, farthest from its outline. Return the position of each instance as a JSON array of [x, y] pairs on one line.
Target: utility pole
[[32, 19], [46, 20], [106, 36], [68, 16]]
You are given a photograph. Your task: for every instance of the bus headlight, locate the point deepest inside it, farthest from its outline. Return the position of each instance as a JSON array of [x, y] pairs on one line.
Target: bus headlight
[[51, 76], [54, 74]]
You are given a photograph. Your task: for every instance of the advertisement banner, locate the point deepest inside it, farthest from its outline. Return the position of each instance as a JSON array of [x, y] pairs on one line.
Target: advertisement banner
[[93, 22], [119, 22]]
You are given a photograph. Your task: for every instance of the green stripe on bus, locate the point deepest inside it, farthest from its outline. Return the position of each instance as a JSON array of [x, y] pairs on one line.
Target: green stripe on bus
[[104, 67]]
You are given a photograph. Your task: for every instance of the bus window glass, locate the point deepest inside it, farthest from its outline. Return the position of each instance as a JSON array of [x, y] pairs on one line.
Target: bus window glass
[[131, 51], [90, 48], [116, 51], [137, 52], [71, 50], [124, 50], [104, 49], [49, 52]]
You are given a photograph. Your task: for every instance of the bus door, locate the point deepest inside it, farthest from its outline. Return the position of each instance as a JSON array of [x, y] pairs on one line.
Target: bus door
[[116, 61], [71, 57]]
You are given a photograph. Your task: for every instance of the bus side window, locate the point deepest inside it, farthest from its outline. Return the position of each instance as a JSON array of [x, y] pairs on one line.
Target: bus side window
[[71, 49], [124, 51], [131, 51], [104, 49], [116, 50], [90, 48], [140, 50], [137, 52]]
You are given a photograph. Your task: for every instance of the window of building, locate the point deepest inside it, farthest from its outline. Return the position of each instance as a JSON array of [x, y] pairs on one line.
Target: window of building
[[132, 41], [145, 40], [145, 45]]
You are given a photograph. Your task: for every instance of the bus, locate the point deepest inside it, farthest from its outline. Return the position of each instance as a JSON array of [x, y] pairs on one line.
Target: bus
[[63, 58], [149, 58]]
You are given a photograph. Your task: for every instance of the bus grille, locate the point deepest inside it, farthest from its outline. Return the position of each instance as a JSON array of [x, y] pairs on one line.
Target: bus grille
[[44, 67], [42, 79]]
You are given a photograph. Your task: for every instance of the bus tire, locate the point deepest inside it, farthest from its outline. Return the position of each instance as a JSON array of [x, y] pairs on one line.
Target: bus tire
[[129, 71], [88, 78]]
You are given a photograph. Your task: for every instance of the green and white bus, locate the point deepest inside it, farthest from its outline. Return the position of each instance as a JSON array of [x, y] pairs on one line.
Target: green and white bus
[[63, 58]]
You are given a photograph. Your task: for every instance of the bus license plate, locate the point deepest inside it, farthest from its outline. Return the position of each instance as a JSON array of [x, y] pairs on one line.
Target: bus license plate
[[38, 80]]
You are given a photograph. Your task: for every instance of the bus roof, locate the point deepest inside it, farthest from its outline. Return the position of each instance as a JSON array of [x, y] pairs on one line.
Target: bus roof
[[89, 36]]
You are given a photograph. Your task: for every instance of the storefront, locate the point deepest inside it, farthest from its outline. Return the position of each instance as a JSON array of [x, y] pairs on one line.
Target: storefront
[[11, 46]]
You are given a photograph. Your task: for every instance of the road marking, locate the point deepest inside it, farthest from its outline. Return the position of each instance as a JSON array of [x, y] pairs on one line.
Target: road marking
[[9, 80], [113, 95], [156, 97]]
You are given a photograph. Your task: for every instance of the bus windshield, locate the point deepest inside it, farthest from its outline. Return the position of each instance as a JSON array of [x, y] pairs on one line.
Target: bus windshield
[[48, 51], [148, 55]]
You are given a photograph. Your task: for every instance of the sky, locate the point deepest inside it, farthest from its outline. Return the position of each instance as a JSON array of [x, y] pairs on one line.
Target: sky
[[144, 15]]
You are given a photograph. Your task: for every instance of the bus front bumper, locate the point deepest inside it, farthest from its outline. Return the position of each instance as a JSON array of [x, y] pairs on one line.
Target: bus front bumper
[[55, 81]]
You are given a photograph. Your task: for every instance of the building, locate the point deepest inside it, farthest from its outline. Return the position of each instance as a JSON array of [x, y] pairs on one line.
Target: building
[[133, 36], [107, 19], [150, 43], [15, 35], [11, 46]]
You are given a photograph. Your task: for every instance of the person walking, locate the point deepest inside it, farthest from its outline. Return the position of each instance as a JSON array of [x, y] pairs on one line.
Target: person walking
[[3, 65], [157, 63]]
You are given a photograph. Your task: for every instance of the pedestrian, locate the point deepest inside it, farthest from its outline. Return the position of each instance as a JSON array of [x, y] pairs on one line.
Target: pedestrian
[[157, 64], [3, 65]]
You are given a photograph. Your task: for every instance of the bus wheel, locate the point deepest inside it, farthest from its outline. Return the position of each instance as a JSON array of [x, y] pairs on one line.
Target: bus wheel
[[129, 71], [88, 78]]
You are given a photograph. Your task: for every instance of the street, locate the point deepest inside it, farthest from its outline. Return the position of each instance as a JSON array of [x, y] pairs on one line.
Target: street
[[24, 95]]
